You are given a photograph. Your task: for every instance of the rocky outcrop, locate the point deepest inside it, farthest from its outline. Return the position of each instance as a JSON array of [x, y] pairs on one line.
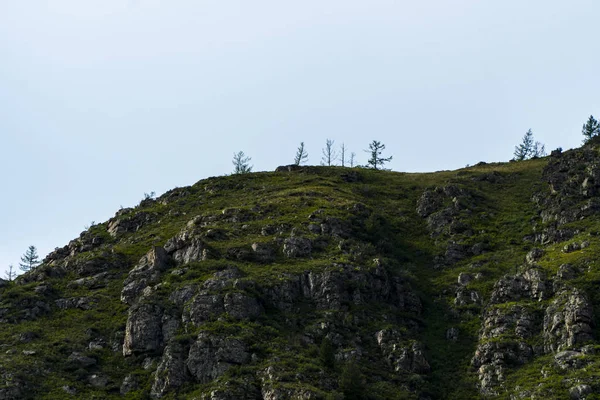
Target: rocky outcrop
[[171, 372], [143, 332], [531, 284], [297, 247], [123, 223], [492, 359], [341, 285], [402, 355], [147, 272], [568, 321], [212, 355], [186, 247]]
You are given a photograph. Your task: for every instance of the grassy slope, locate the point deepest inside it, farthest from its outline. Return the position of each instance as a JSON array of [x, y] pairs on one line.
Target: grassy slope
[[502, 217]]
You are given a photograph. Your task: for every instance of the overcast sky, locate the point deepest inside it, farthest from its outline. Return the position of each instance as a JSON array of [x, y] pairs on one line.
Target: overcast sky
[[103, 100]]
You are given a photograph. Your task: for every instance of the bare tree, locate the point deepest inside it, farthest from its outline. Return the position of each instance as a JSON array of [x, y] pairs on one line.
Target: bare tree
[[329, 153], [376, 148], [343, 154], [11, 273], [241, 163], [352, 156], [301, 155]]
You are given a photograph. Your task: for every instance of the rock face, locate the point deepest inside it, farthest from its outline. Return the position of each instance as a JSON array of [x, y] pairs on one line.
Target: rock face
[[171, 372], [186, 247], [211, 356], [143, 333], [297, 247], [402, 356], [568, 321], [147, 272]]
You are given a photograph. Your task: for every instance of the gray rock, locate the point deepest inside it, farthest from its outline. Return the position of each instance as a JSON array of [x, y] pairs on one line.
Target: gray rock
[[98, 381], [143, 331], [465, 297], [534, 255], [407, 356], [567, 321], [571, 247], [531, 284], [186, 246], [297, 247], [146, 272], [464, 279], [171, 372], [579, 392], [569, 360], [83, 303], [211, 356]]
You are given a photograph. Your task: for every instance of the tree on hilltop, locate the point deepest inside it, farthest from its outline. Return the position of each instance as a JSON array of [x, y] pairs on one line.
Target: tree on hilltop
[[329, 153], [343, 154], [376, 161], [590, 129], [29, 260], [301, 155], [10, 274], [529, 148], [241, 163]]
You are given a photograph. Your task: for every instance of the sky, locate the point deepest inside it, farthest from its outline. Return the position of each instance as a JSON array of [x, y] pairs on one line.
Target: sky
[[102, 101]]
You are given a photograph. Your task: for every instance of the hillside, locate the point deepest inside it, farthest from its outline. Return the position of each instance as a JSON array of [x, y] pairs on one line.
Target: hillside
[[324, 283]]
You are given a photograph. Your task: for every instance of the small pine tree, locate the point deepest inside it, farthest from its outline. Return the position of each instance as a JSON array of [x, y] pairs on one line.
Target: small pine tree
[[11, 273], [590, 129], [329, 153], [241, 163], [525, 149], [376, 161], [327, 353], [29, 260], [301, 155]]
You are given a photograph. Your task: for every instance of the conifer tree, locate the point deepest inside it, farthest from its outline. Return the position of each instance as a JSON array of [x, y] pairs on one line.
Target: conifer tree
[[301, 155], [241, 163], [376, 161], [29, 260], [529, 148], [590, 129]]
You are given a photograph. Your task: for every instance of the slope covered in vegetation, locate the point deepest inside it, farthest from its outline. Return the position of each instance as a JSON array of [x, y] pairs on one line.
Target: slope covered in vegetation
[[324, 283]]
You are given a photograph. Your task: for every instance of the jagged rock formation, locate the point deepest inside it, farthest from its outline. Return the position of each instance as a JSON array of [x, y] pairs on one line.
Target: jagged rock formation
[[321, 283]]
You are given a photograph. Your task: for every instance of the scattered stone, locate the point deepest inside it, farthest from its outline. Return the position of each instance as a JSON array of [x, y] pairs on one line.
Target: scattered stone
[[534, 255], [464, 279]]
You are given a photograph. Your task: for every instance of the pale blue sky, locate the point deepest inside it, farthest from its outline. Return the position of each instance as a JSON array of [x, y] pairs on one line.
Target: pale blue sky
[[101, 101]]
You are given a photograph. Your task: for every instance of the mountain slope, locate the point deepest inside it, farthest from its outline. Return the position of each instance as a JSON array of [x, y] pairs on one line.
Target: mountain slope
[[324, 282]]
